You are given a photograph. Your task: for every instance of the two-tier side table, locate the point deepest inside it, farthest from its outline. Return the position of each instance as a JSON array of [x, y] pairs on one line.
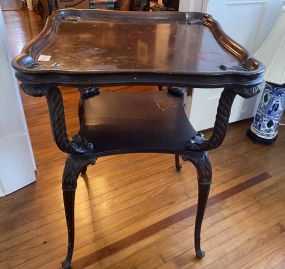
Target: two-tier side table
[[87, 49]]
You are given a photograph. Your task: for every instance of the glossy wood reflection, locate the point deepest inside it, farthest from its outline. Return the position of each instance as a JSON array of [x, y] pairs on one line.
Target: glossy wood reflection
[[21, 26], [149, 46], [136, 211], [106, 50]]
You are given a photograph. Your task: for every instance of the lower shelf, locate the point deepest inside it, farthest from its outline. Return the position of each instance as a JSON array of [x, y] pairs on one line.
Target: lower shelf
[[118, 122]]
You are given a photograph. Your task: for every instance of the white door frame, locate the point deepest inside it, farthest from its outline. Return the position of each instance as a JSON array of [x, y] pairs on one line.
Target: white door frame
[[191, 5], [17, 164]]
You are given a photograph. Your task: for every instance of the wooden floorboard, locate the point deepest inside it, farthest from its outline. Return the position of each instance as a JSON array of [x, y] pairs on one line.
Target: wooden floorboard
[[10, 5], [136, 211]]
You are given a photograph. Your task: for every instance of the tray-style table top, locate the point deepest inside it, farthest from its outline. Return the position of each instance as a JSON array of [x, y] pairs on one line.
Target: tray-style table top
[[136, 47]]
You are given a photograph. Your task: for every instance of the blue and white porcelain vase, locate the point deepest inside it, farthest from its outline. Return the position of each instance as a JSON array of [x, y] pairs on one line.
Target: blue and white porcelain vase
[[264, 128]]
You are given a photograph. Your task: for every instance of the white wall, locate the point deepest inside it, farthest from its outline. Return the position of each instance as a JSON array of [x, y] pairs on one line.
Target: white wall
[[191, 5], [17, 165], [1, 190]]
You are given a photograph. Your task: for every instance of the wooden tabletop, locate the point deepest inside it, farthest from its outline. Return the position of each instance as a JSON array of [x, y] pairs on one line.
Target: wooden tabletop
[[139, 47]]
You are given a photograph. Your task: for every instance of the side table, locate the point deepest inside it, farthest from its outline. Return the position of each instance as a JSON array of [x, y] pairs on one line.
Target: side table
[[73, 50]]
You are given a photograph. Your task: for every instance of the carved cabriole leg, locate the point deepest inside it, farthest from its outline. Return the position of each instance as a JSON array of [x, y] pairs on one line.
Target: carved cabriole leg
[[204, 171], [72, 169], [69, 199], [79, 149]]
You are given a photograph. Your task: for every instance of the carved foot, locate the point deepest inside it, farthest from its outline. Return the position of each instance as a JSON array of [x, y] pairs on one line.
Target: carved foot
[[66, 263], [200, 254]]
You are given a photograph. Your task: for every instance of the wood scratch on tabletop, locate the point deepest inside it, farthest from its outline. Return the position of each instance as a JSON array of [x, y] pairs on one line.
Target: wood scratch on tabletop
[[159, 107]]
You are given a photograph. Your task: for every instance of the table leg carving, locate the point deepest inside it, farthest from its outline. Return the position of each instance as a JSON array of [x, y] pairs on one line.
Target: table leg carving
[[73, 167], [88, 92], [76, 146], [222, 118], [204, 171], [220, 127]]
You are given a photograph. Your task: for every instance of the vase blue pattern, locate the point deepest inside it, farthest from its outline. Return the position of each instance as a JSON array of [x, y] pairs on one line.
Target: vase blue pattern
[[266, 121]]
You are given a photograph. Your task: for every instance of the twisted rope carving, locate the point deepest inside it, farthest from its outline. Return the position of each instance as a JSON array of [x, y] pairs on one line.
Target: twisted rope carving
[[198, 143], [78, 146], [34, 90], [220, 127], [57, 116], [248, 92]]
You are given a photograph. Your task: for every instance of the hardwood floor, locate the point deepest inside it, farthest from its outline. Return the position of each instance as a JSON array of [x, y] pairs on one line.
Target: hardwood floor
[[10, 4], [136, 211]]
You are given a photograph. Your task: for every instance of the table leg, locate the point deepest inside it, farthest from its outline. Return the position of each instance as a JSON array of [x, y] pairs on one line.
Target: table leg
[[80, 118], [204, 171], [69, 198], [80, 110], [85, 93], [198, 143], [73, 167], [177, 163]]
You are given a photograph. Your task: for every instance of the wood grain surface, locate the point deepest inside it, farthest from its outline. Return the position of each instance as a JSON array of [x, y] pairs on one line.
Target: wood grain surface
[[136, 211]]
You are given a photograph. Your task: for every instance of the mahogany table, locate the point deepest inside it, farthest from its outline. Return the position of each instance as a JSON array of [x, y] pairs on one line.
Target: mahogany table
[[87, 49]]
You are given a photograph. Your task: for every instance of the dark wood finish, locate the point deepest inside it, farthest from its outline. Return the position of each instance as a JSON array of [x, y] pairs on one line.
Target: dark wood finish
[[177, 163], [204, 171], [222, 61], [138, 122], [73, 167], [198, 143], [171, 4], [168, 222], [115, 123], [242, 227]]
